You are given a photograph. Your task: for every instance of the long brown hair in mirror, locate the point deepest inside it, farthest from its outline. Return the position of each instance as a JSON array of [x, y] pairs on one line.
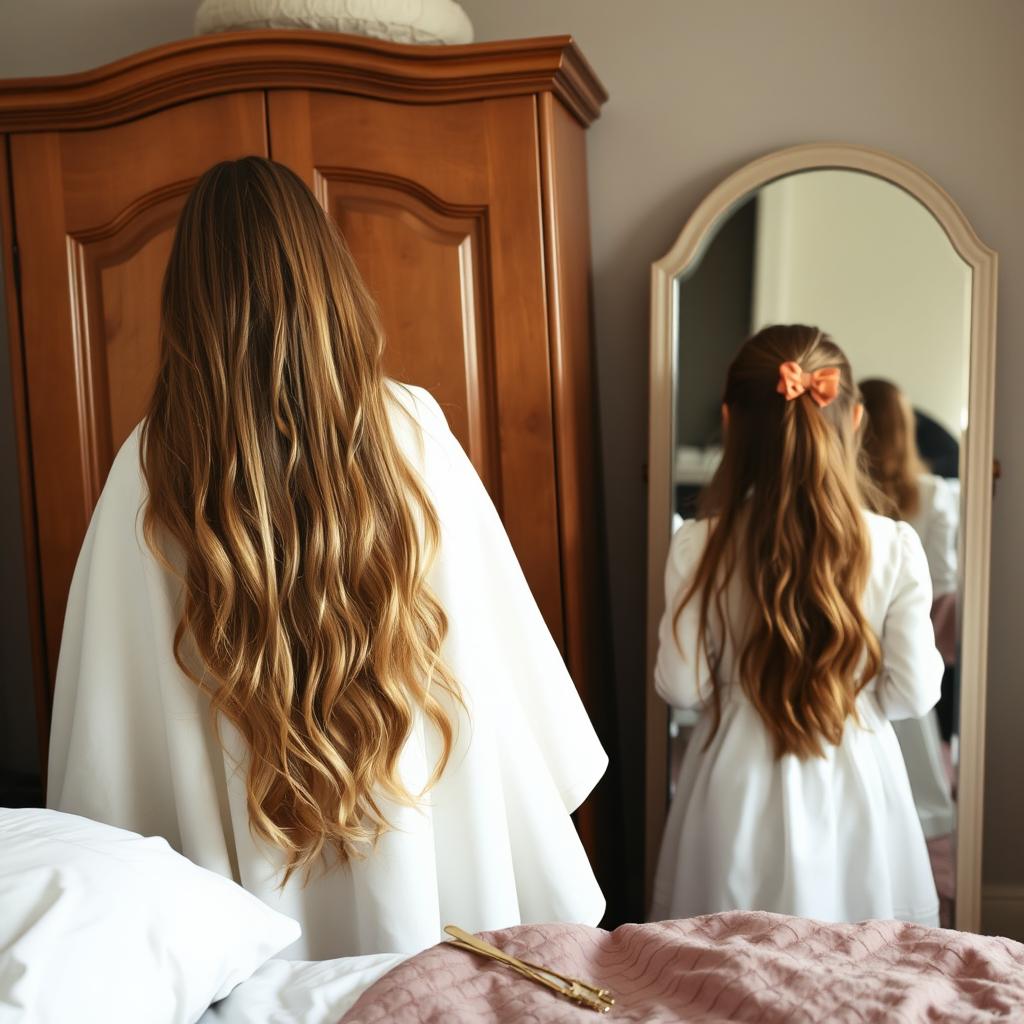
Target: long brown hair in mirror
[[786, 512], [891, 448], [279, 496]]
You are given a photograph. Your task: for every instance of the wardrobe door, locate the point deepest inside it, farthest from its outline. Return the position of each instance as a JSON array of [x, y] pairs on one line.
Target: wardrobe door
[[94, 216], [440, 206]]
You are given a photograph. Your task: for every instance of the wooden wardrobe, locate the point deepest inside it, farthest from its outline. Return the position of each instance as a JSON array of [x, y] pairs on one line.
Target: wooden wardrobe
[[458, 176]]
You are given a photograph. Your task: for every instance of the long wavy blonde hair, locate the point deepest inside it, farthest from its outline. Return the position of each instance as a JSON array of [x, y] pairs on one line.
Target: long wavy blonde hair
[[890, 445], [278, 494], [786, 514]]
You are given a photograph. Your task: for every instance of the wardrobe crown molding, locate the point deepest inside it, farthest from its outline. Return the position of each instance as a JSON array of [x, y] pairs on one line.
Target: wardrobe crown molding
[[289, 59]]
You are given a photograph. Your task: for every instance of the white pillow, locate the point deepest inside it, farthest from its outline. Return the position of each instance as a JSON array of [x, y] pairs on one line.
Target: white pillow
[[99, 924]]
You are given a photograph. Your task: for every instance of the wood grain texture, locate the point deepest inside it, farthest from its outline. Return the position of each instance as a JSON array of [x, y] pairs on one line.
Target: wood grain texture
[[289, 59], [468, 171], [94, 213], [425, 262], [577, 442]]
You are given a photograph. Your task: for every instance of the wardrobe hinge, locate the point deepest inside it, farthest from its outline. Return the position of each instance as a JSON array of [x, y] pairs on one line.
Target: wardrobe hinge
[[16, 257]]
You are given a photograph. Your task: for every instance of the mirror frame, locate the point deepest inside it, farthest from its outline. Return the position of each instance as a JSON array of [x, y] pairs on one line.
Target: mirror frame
[[975, 461]]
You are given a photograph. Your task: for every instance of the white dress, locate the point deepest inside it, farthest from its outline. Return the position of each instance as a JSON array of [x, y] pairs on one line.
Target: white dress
[[492, 845], [936, 523], [920, 738], [833, 838]]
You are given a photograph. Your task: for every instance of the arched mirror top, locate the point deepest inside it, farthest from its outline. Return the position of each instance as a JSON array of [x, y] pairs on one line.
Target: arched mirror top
[[719, 204]]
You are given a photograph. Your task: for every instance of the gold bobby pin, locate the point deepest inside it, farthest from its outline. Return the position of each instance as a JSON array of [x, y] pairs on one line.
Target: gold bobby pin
[[598, 999], [574, 990]]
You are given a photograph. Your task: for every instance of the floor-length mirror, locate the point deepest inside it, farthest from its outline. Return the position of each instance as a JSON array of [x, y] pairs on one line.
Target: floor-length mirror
[[871, 251]]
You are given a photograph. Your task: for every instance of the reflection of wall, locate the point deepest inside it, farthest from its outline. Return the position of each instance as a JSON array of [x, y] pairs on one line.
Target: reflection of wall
[[864, 261], [714, 319]]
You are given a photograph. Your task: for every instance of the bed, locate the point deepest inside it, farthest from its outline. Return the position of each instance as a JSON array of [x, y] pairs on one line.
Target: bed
[[101, 924], [735, 966]]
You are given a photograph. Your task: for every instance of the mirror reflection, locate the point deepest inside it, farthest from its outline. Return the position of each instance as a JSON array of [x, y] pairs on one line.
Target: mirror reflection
[[869, 265]]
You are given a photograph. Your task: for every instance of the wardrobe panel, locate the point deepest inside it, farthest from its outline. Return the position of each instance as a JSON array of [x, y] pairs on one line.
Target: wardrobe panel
[[394, 232], [94, 215], [441, 208]]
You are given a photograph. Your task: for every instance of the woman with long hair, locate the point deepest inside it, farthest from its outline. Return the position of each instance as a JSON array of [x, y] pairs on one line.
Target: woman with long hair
[[298, 644], [914, 494], [928, 503], [798, 623]]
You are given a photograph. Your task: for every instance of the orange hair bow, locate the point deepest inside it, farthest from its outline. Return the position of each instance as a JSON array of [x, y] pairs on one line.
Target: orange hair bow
[[823, 385]]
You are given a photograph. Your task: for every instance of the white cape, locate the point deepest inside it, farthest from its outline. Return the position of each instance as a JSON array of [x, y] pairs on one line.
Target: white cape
[[493, 843]]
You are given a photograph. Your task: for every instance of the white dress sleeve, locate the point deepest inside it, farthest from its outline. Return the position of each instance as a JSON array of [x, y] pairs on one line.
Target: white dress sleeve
[[908, 684], [682, 673], [940, 535]]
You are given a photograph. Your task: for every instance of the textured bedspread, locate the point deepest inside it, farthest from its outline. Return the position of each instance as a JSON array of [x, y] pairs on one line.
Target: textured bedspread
[[736, 966]]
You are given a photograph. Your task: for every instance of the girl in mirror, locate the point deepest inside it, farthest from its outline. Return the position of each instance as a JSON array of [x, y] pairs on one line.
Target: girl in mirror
[[911, 492], [298, 644], [798, 623], [928, 503]]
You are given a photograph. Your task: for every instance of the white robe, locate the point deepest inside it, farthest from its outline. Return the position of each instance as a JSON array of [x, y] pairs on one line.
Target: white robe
[[833, 838], [937, 524], [493, 843], [920, 738]]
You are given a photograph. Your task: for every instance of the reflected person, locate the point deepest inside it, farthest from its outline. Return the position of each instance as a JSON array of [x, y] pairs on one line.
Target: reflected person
[[798, 624], [909, 492]]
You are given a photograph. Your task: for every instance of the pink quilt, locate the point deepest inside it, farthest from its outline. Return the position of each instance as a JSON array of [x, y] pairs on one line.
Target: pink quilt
[[735, 966]]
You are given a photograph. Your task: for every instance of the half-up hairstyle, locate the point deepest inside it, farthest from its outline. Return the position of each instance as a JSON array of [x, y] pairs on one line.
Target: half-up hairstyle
[[786, 514], [890, 446], [280, 497]]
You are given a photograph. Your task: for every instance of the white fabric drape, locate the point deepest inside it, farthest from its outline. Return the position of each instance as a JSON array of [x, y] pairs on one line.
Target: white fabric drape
[[937, 524], [493, 843]]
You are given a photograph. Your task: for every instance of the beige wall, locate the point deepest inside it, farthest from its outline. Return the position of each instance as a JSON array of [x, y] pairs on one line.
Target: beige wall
[[55, 37], [867, 262], [699, 87]]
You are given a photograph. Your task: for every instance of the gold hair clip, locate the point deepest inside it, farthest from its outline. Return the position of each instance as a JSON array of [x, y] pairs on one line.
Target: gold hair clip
[[580, 992]]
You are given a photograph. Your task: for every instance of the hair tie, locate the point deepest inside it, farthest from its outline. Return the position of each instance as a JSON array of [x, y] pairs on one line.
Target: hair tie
[[822, 385]]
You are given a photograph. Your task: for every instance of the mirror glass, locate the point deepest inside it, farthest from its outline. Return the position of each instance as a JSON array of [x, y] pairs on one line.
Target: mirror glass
[[860, 258]]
